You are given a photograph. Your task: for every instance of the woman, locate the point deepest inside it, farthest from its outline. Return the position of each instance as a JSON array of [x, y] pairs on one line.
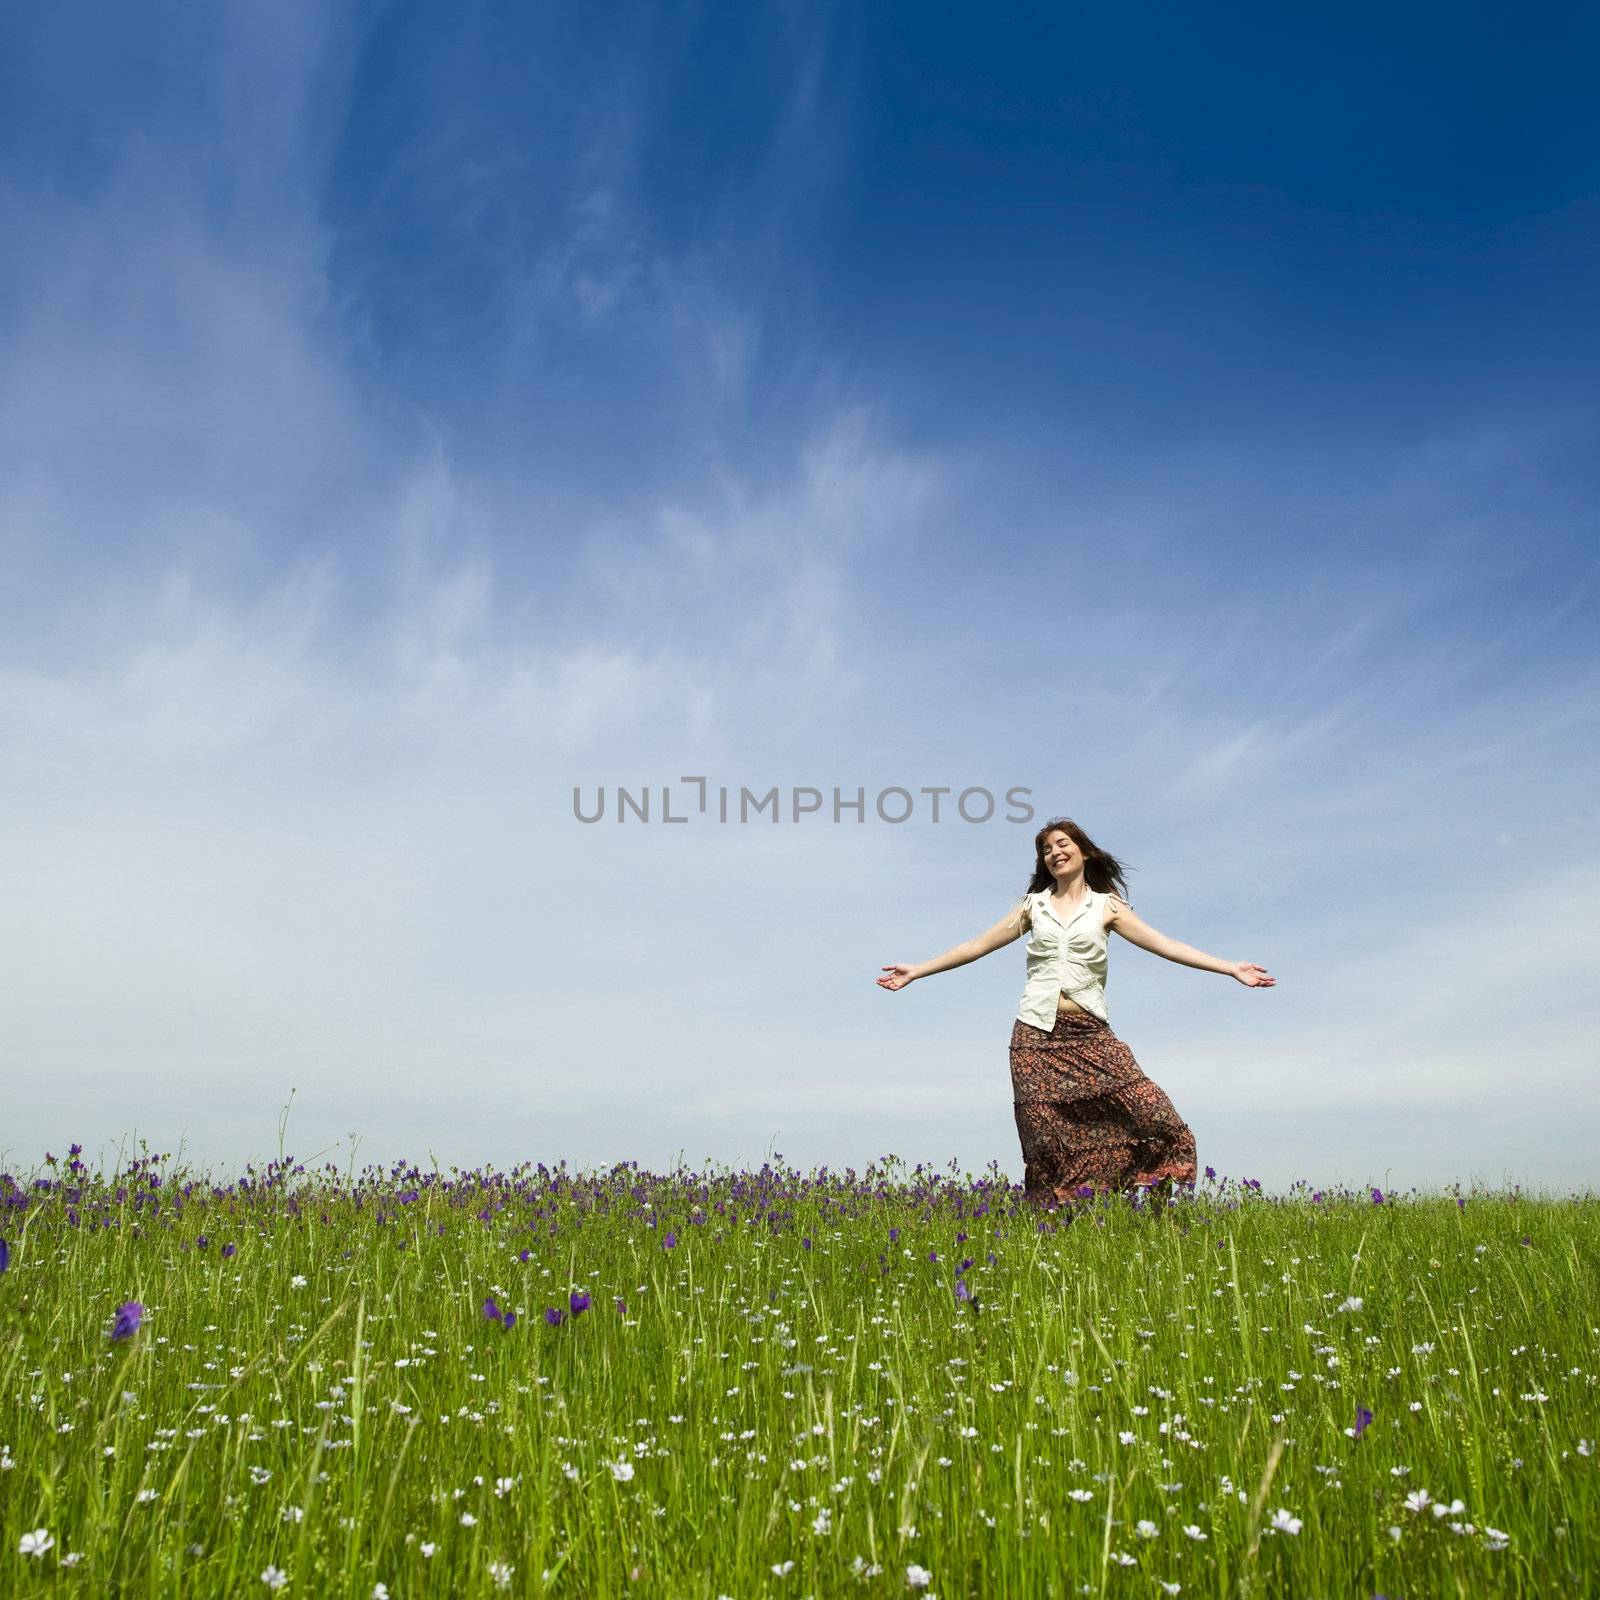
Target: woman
[[1086, 1114]]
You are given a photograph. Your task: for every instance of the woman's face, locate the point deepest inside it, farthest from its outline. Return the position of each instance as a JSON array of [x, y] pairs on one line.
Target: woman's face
[[1061, 854]]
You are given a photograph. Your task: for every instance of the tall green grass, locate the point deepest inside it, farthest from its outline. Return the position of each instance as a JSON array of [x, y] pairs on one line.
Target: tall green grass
[[790, 1399]]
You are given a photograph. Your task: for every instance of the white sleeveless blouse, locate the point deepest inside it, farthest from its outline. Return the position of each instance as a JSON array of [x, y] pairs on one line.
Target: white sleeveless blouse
[[1068, 955]]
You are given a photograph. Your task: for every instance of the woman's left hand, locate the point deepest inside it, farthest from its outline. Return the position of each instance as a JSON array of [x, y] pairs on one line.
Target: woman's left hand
[[1252, 976]]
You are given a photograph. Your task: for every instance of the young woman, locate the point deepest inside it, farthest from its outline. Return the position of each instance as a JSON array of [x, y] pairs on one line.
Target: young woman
[[1086, 1114]]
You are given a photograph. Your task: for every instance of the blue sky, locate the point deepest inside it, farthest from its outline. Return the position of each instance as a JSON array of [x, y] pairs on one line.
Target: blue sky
[[410, 415]]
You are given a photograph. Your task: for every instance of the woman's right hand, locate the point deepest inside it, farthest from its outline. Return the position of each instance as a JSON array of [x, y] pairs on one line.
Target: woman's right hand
[[899, 975]]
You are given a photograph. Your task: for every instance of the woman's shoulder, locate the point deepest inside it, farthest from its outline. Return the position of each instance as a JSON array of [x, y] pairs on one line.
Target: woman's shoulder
[[1111, 905]]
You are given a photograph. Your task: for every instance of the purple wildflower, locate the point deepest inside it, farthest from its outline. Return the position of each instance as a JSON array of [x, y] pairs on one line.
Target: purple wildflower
[[1316, 1197], [525, 1255], [805, 1244], [622, 1306], [228, 1250], [491, 1310], [964, 1265], [1211, 1172], [671, 1241], [127, 1321], [933, 1255], [5, 1255], [962, 1291], [579, 1302], [1377, 1197], [509, 1319], [894, 1235], [1084, 1191], [1363, 1417], [553, 1316]]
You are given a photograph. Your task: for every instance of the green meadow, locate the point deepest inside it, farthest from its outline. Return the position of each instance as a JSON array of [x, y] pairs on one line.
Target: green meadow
[[401, 1382]]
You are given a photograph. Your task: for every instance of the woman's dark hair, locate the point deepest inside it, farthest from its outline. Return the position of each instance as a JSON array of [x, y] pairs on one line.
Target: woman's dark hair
[[1101, 870]]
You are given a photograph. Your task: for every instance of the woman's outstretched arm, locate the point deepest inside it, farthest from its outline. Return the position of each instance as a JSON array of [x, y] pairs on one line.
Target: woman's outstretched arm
[[1011, 926], [1137, 931]]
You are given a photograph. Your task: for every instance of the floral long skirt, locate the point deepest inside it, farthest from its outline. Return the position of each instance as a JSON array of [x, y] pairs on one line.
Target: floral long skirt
[[1088, 1116]]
